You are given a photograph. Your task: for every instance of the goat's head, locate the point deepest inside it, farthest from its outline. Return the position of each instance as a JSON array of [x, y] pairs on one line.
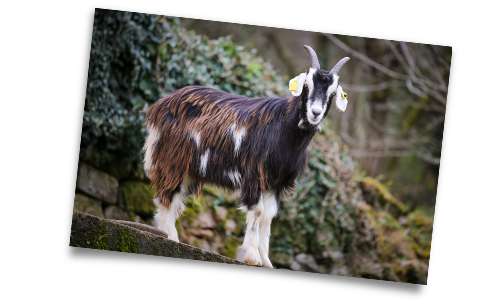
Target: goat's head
[[317, 88]]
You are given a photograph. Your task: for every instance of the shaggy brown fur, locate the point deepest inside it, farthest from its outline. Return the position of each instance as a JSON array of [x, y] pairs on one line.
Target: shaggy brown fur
[[215, 116]]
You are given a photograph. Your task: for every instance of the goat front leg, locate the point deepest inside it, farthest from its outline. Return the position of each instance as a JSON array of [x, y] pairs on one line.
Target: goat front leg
[[251, 243], [270, 203]]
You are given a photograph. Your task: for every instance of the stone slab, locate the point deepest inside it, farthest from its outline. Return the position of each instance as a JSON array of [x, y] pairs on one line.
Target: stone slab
[[92, 232]]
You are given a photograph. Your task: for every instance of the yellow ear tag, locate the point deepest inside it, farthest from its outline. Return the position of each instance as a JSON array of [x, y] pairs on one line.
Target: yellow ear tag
[[344, 95], [293, 86]]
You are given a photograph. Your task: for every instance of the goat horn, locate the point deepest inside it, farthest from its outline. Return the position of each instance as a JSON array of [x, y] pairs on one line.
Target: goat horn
[[314, 57], [339, 65]]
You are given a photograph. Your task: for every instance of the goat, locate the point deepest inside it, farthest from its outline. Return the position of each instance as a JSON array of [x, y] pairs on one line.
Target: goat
[[257, 146]]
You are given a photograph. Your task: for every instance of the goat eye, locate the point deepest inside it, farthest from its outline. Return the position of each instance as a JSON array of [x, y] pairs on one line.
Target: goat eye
[[305, 85], [344, 95]]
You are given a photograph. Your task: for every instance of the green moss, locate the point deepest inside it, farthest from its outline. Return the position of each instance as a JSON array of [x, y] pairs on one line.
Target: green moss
[[231, 213], [211, 191], [193, 209], [230, 247], [197, 255], [383, 196], [178, 226], [419, 219], [96, 238], [137, 197], [241, 222], [126, 242], [156, 248]]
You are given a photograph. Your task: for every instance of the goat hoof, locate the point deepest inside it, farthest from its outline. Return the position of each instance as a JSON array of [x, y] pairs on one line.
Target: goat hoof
[[252, 257], [174, 238], [266, 263]]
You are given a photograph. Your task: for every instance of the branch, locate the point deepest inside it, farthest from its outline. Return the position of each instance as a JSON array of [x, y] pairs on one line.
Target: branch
[[366, 88], [431, 65], [363, 153], [413, 77], [375, 124], [422, 106], [434, 49], [285, 58], [384, 144], [428, 158], [434, 122], [408, 65], [344, 125], [397, 54], [364, 59]]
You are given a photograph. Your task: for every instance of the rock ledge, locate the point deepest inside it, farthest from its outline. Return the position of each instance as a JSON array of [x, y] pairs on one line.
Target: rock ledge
[[89, 231]]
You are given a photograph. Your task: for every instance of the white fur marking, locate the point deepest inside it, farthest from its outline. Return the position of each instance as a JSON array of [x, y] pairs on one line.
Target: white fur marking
[[238, 136], [313, 103], [316, 104], [149, 146], [204, 162], [232, 128], [234, 176], [309, 81], [196, 137], [332, 88]]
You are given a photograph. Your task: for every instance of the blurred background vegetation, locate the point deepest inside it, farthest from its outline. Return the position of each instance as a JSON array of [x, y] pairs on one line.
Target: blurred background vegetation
[[363, 207]]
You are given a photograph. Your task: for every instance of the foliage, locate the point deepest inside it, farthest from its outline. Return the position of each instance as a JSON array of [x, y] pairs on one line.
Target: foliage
[[137, 59]]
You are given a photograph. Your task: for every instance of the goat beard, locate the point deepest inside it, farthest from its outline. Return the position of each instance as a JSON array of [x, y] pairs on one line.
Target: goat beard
[[304, 124]]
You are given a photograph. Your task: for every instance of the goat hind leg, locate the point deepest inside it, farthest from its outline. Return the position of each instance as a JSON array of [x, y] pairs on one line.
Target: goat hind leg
[[165, 217]]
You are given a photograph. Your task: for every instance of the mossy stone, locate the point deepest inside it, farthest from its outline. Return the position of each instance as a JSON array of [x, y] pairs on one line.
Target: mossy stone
[[138, 197], [88, 205], [230, 247], [193, 209]]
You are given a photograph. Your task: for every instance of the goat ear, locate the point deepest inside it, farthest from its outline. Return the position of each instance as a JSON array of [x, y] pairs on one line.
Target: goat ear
[[297, 84], [341, 98]]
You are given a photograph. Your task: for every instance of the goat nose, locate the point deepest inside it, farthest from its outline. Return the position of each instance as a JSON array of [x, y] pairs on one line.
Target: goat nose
[[316, 111]]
